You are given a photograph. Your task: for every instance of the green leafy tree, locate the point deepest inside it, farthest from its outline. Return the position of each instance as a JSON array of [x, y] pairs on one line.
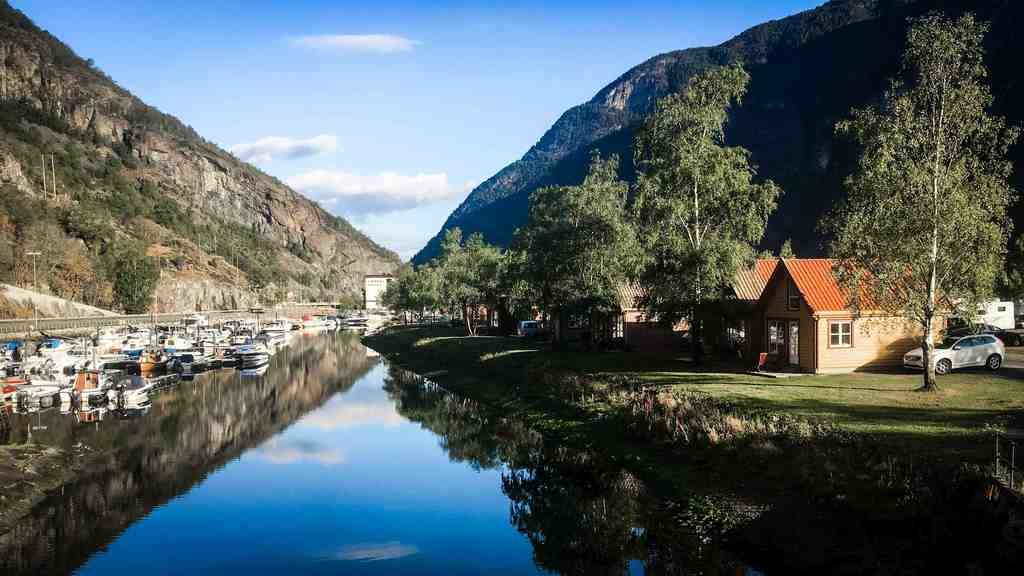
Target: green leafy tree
[[787, 249], [135, 279], [468, 274], [698, 208], [579, 247], [414, 290], [925, 227]]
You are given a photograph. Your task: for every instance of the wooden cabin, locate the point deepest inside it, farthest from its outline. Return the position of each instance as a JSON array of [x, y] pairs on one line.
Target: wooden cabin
[[803, 321]]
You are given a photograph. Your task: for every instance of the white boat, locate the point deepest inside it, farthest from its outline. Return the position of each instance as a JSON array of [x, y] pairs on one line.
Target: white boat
[[252, 356], [278, 326], [110, 337], [38, 395], [131, 392], [194, 321], [176, 343], [254, 372]]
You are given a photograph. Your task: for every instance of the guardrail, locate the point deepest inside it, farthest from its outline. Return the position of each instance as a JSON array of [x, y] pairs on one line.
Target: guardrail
[[27, 325]]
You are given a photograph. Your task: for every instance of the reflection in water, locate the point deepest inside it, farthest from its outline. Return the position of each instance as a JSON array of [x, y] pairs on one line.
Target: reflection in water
[[376, 552], [581, 514], [329, 463], [190, 431]]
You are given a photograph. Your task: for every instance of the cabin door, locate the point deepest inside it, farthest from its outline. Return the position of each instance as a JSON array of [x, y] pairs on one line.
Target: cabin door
[[794, 342]]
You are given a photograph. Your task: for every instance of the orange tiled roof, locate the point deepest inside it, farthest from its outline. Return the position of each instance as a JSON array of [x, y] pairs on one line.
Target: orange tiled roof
[[749, 283], [817, 282]]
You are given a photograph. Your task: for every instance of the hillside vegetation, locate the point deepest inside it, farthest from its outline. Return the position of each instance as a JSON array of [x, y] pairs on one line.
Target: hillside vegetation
[[129, 207]]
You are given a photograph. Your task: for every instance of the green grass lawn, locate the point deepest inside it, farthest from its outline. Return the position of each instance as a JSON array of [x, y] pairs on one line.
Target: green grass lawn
[[887, 407]]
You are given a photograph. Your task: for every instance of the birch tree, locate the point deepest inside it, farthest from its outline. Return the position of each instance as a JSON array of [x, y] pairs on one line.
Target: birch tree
[[925, 226], [698, 207]]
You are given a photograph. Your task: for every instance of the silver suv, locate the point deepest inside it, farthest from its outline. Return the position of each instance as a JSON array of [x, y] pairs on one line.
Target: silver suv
[[961, 352]]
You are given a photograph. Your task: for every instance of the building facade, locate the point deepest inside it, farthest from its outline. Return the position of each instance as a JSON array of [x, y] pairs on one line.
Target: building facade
[[374, 286], [803, 320]]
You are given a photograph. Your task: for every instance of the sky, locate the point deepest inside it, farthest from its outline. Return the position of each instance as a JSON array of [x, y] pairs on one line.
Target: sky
[[386, 113]]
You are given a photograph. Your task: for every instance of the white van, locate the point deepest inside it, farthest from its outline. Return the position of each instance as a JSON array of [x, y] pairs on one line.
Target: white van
[[998, 313]]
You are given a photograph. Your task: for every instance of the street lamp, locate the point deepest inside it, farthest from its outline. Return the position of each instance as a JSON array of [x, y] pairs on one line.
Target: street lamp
[[35, 288]]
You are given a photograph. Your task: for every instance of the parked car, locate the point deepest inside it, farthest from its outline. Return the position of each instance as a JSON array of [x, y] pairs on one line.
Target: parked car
[[960, 352], [968, 330], [1008, 337], [529, 328]]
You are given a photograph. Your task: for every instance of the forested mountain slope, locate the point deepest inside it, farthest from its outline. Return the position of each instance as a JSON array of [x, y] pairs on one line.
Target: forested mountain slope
[[807, 71], [124, 181]]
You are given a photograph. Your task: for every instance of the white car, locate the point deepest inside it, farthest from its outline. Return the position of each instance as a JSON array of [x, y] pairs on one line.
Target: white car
[[961, 352]]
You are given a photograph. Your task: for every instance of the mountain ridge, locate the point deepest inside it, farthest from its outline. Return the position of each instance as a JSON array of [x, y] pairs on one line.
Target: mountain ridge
[[219, 226], [807, 70]]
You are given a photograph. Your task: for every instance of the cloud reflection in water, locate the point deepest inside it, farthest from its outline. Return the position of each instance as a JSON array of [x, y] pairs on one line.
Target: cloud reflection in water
[[374, 552], [288, 452]]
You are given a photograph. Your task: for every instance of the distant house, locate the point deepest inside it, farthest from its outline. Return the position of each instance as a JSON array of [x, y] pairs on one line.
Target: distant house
[[374, 286], [638, 329], [802, 319]]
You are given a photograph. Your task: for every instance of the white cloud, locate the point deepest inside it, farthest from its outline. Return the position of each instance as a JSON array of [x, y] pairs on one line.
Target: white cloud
[[266, 149], [366, 43], [354, 194]]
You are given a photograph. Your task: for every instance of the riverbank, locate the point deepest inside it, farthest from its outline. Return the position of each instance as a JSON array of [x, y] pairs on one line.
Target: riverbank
[[863, 448]]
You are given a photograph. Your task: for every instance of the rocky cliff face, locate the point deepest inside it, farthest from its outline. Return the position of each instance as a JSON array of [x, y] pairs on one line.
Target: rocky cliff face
[[57, 104], [807, 71]]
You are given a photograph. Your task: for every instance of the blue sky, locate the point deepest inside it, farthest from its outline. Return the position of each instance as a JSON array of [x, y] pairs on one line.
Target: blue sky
[[385, 112]]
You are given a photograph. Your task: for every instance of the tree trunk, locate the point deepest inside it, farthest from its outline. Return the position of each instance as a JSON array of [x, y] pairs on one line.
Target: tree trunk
[[928, 357], [696, 337], [466, 320], [558, 333]]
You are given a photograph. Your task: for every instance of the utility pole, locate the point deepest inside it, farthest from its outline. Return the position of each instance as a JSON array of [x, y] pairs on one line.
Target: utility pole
[[53, 180], [35, 287], [42, 157]]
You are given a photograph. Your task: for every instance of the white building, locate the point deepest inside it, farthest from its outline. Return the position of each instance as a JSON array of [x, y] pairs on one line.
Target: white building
[[374, 286]]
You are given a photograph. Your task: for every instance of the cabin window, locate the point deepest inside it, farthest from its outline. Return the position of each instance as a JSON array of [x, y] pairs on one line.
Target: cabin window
[[776, 336], [1002, 308], [792, 296], [840, 334]]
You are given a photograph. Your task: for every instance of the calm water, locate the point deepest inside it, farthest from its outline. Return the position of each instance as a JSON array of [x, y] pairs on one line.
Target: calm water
[[332, 462]]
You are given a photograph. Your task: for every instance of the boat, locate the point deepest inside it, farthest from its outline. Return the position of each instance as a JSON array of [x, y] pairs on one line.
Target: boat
[[9, 387], [252, 356], [37, 395], [90, 388], [152, 361], [177, 343], [130, 392], [188, 363], [282, 327], [314, 322], [194, 321], [254, 372]]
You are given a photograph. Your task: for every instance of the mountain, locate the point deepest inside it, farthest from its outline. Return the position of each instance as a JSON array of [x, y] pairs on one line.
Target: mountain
[[123, 179], [807, 71]]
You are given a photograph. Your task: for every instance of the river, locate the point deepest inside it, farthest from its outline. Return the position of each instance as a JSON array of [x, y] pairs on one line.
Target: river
[[334, 462]]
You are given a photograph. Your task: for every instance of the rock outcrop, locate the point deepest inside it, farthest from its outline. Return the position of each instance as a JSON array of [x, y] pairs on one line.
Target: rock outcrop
[[58, 105]]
